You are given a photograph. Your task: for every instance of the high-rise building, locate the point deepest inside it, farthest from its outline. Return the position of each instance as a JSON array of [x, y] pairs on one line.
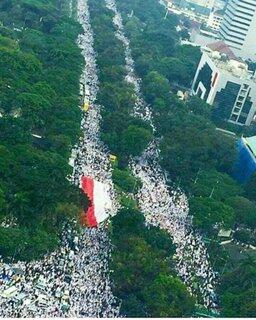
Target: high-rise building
[[225, 82], [238, 28]]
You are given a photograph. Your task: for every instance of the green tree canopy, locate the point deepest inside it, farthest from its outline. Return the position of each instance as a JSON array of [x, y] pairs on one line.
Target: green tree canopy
[[208, 211], [135, 139], [142, 275], [168, 297], [250, 188], [245, 210]]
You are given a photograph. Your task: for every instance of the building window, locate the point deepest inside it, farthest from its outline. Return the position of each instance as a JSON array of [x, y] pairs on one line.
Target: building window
[[243, 92], [242, 119], [225, 100], [247, 105], [234, 117], [204, 76], [237, 110]]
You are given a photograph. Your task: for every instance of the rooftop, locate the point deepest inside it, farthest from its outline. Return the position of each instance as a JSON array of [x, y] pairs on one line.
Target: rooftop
[[219, 12], [251, 144], [223, 48], [225, 233], [224, 58]]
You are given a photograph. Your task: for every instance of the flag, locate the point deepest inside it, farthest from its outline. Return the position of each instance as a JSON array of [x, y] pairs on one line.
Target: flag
[[99, 201]]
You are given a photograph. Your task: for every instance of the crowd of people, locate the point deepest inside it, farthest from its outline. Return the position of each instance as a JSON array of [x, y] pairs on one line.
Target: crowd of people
[[70, 282], [91, 157], [74, 280], [162, 207], [168, 209]]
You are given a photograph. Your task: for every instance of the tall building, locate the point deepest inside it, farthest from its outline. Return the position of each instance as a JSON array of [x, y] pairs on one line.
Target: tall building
[[238, 28], [224, 82]]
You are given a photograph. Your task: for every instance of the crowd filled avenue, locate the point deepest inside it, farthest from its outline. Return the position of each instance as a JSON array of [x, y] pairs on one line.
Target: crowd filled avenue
[[70, 282], [162, 207], [169, 210], [141, 109], [74, 280]]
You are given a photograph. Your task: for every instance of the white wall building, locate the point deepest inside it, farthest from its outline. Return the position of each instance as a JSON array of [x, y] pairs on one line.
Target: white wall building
[[238, 28], [215, 19], [200, 7], [227, 85]]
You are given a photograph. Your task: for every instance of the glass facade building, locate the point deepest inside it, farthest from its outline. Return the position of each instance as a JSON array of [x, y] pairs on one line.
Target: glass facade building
[[228, 86]]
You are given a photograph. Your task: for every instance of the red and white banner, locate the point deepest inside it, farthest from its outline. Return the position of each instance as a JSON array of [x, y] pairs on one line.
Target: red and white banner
[[100, 201]]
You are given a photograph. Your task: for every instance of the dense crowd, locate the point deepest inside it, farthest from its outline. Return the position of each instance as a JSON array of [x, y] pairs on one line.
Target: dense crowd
[[70, 282], [162, 207], [168, 209], [74, 280]]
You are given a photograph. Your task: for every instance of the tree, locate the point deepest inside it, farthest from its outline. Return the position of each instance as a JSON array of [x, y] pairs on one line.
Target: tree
[[127, 222], [195, 145], [243, 236], [173, 69], [128, 202], [2, 204], [208, 212], [190, 57], [142, 276], [135, 139], [237, 290], [125, 180], [220, 185], [155, 86], [38, 95], [245, 210], [12, 241], [167, 297], [184, 34], [199, 107], [144, 64], [250, 188]]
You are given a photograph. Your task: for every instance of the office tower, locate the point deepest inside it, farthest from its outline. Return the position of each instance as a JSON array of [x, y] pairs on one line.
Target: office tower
[[226, 83], [238, 28]]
